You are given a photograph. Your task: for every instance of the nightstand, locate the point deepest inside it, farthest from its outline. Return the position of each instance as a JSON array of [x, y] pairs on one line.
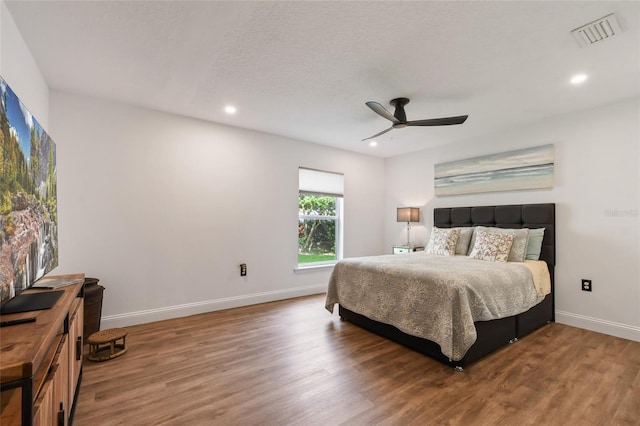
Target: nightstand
[[406, 249]]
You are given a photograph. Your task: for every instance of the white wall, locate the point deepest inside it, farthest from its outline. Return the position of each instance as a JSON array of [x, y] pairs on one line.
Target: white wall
[[20, 71], [597, 203], [163, 209]]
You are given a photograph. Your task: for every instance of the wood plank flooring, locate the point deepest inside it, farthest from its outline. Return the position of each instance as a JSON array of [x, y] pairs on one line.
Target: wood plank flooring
[[292, 363]]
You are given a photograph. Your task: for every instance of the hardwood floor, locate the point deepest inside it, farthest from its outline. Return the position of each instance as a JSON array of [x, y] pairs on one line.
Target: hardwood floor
[[292, 363]]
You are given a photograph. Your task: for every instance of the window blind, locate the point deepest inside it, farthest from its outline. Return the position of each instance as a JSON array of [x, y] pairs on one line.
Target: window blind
[[316, 182]]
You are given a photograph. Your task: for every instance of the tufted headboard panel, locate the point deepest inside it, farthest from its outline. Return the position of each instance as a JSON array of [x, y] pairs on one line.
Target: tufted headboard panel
[[511, 216]]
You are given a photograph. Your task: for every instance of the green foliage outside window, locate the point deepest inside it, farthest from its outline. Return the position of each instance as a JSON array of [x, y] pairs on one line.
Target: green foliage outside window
[[316, 228]]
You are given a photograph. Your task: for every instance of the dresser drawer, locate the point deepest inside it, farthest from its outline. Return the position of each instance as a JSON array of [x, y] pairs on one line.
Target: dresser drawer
[[401, 249]]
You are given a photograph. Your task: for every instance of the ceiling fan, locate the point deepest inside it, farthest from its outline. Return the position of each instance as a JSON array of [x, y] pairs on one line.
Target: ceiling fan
[[399, 117]]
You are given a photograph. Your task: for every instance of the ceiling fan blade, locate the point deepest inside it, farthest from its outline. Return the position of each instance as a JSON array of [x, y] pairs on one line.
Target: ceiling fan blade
[[378, 134], [379, 109], [445, 121]]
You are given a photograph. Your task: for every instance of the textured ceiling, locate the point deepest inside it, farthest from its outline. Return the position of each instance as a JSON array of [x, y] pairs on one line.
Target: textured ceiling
[[305, 69]]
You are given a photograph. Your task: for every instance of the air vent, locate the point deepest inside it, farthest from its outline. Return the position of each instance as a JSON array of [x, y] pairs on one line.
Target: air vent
[[596, 31]]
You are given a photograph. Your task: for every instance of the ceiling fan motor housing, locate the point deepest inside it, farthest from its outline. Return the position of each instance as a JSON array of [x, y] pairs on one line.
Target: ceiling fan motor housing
[[399, 113]]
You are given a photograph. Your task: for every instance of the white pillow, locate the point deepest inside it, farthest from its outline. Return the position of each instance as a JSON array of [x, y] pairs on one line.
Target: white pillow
[[443, 241], [462, 246], [491, 246]]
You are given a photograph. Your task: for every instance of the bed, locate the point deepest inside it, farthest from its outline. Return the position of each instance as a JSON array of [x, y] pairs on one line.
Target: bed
[[487, 335]]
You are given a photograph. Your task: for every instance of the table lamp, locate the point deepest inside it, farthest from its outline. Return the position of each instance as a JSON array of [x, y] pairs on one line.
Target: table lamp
[[408, 214]]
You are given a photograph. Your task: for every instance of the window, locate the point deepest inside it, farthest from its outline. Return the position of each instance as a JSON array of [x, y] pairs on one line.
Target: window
[[319, 217]]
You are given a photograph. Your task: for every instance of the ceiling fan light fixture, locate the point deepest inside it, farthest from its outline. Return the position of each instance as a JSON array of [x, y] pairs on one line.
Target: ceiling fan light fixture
[[373, 144]]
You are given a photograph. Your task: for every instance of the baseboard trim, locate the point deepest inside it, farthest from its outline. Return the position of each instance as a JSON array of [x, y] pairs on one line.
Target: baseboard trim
[[601, 326], [178, 311]]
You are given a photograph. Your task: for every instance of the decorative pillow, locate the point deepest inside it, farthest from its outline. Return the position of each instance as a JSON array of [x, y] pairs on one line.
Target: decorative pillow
[[443, 241], [462, 246], [490, 246], [534, 246], [518, 250]]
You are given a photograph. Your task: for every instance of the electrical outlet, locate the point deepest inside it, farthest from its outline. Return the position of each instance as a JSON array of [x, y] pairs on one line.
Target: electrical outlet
[[586, 285]]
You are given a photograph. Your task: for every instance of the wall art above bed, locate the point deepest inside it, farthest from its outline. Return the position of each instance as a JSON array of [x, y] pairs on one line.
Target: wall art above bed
[[529, 168]]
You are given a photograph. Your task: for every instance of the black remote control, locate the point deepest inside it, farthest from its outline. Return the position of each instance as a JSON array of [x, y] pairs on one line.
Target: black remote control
[[17, 321]]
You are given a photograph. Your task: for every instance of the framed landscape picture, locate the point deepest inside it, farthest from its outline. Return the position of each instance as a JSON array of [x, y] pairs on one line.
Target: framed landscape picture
[[28, 200]]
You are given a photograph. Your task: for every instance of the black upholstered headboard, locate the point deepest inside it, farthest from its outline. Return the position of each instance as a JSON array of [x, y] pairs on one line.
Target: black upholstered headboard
[[512, 216]]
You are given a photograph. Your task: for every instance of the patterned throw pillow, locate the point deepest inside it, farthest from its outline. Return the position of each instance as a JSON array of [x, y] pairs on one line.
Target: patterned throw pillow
[[443, 241], [518, 250], [492, 247]]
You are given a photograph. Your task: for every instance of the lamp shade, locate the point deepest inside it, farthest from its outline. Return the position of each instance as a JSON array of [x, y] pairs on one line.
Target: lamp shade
[[408, 214]]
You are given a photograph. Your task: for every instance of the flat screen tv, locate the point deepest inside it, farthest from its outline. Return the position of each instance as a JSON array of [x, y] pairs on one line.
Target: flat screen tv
[[28, 201]]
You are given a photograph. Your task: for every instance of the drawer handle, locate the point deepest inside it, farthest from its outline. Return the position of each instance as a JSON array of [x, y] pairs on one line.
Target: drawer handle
[[61, 415], [79, 348]]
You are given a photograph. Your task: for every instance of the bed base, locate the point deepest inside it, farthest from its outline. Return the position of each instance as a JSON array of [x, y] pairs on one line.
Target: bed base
[[492, 335]]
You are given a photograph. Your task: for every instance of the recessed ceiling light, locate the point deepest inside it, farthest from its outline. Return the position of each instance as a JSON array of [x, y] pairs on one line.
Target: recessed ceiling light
[[373, 143], [578, 79], [230, 109]]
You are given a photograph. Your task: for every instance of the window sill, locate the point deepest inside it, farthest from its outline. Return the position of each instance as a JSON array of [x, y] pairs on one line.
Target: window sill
[[313, 267]]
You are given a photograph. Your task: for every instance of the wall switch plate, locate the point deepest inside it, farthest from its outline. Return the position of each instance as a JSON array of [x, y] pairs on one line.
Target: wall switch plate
[[586, 285], [243, 269]]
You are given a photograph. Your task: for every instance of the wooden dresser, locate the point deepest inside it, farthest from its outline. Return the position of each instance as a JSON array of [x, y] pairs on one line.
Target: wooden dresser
[[41, 362]]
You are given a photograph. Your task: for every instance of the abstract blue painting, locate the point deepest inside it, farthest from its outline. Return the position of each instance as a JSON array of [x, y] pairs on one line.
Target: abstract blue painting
[[529, 168]]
